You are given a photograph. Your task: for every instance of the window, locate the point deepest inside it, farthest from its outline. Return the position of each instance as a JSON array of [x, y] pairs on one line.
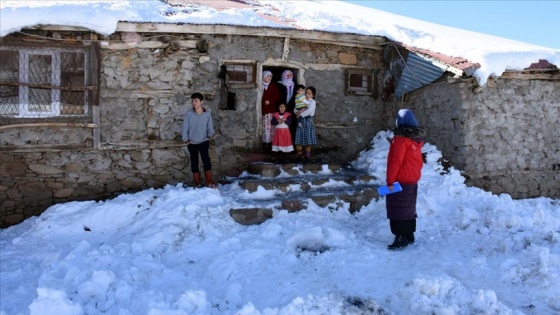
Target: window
[[46, 82], [359, 82], [240, 74]]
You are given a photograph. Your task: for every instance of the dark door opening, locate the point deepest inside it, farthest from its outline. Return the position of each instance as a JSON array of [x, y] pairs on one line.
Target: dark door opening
[[290, 104]]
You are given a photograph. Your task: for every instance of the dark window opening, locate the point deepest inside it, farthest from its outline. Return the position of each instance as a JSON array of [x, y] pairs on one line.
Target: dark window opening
[[359, 82]]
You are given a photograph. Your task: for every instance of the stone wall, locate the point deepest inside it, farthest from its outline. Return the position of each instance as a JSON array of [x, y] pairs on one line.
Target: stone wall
[[31, 182], [505, 136], [144, 94]]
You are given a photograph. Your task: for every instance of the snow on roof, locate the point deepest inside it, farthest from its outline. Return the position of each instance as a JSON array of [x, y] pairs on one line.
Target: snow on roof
[[493, 54]]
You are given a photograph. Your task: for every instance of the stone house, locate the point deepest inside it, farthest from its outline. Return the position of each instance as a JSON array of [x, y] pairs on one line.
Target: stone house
[[87, 117]]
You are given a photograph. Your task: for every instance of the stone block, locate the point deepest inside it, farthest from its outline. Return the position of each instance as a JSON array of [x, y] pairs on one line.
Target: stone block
[[63, 193], [35, 190], [334, 167], [133, 183], [347, 59], [6, 158], [8, 204], [89, 192], [313, 168], [291, 169], [319, 182], [166, 157], [323, 201], [113, 186], [264, 169], [250, 216], [13, 168], [252, 186], [73, 168], [13, 219], [293, 205], [55, 185]]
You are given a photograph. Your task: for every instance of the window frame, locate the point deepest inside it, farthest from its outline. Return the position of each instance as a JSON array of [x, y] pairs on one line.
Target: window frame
[[55, 110], [367, 89], [251, 82]]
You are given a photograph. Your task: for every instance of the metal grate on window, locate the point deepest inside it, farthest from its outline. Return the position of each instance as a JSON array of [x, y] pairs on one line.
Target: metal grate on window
[[241, 73], [45, 83]]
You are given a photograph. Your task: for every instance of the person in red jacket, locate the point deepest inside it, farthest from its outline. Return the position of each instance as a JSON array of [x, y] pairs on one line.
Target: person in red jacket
[[404, 165]]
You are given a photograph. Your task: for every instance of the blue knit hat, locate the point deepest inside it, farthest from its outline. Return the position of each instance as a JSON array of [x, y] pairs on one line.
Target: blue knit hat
[[405, 118]]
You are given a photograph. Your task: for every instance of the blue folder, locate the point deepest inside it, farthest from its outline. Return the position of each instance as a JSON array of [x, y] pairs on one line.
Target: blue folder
[[384, 190]]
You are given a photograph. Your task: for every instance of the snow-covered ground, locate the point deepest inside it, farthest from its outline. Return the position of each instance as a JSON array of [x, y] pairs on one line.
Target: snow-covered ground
[[176, 250]]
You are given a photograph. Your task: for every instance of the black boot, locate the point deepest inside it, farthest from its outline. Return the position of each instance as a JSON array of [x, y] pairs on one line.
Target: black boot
[[400, 242], [410, 238]]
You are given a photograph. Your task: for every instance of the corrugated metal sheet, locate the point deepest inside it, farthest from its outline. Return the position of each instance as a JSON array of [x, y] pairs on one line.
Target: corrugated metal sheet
[[417, 73], [412, 68], [456, 65]]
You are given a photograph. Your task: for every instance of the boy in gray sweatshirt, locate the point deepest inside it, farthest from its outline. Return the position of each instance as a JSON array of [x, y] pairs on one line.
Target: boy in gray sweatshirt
[[197, 131]]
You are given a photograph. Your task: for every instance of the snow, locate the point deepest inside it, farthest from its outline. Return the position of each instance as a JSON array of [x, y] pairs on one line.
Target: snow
[[176, 250], [494, 54]]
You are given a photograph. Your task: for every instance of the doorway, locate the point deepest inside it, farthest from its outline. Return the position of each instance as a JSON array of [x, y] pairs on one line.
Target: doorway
[[276, 77]]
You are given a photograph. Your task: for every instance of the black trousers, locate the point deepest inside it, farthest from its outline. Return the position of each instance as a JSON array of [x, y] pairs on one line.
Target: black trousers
[[403, 227], [202, 149]]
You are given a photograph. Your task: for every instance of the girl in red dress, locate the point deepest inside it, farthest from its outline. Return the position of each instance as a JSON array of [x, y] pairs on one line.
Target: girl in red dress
[[282, 140]]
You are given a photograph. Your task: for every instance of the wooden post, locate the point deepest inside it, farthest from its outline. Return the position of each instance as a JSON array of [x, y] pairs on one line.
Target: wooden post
[[96, 131]]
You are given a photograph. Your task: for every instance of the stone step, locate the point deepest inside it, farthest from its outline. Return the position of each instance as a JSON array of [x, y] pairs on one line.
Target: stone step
[[307, 176], [265, 169], [355, 202], [329, 185]]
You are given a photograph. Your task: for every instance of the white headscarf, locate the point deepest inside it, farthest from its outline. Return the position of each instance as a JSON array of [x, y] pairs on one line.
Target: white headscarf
[[265, 74], [289, 84]]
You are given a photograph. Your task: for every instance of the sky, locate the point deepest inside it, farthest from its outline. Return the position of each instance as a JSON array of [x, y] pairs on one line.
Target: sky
[[534, 22], [494, 54], [177, 251]]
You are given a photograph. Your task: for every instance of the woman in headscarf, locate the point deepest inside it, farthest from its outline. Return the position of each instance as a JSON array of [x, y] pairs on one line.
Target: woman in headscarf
[[269, 104], [287, 89], [287, 80]]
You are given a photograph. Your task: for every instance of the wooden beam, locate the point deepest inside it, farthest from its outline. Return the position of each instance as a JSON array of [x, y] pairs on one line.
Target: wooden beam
[[49, 87], [353, 40], [530, 76], [30, 125], [52, 27], [374, 46], [96, 132], [320, 36], [286, 50], [45, 147], [165, 93]]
